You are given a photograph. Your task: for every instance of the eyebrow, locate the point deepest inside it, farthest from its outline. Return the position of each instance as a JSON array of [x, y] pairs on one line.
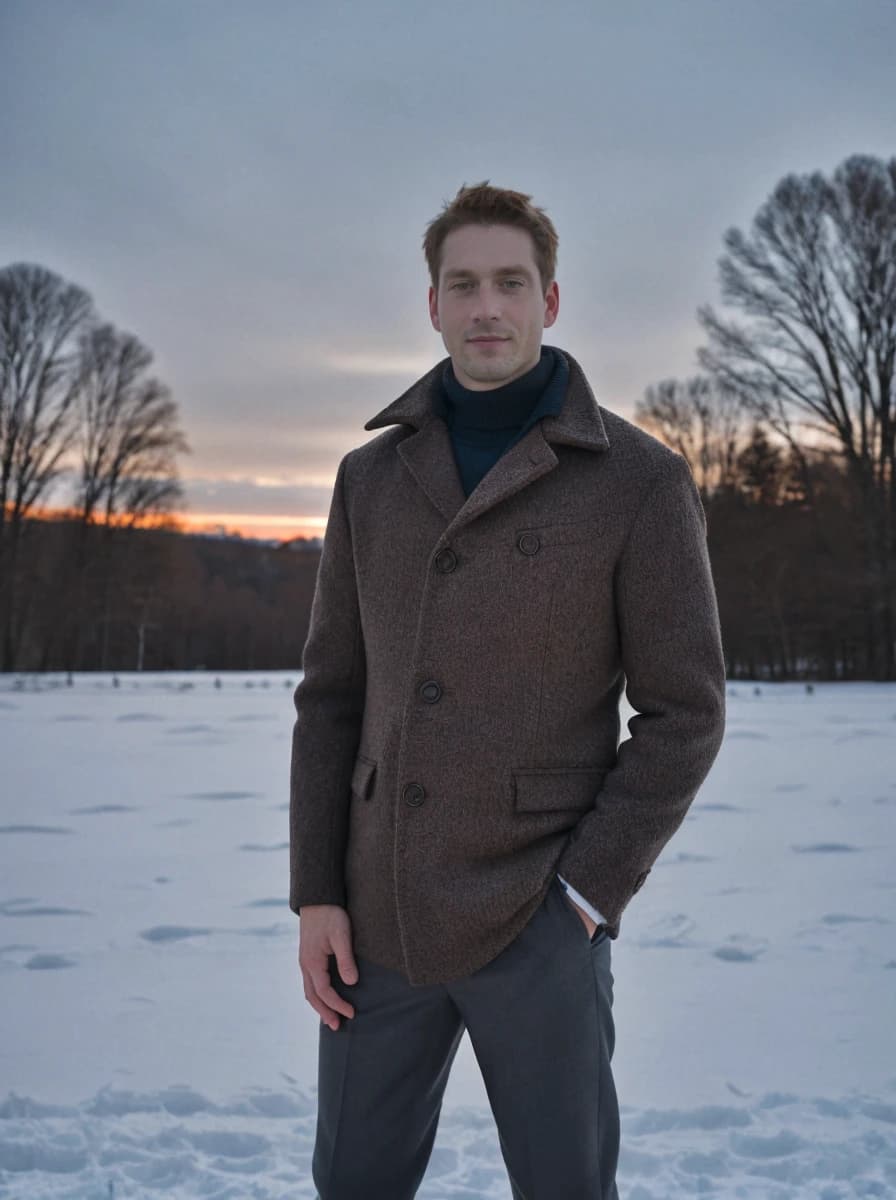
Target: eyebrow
[[462, 273]]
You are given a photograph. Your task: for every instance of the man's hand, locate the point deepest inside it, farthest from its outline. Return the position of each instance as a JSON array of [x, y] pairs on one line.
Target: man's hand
[[589, 924], [325, 929]]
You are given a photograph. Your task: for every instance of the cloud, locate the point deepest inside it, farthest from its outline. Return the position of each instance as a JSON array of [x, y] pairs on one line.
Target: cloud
[[249, 496], [388, 364]]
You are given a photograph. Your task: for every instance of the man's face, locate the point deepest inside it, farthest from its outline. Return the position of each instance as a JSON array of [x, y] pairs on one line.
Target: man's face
[[489, 307]]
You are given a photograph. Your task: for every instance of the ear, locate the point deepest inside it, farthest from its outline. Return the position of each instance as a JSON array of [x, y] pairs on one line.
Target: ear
[[551, 305], [434, 308]]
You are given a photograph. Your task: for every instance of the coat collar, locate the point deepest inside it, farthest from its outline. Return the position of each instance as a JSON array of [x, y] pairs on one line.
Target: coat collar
[[578, 423], [428, 454]]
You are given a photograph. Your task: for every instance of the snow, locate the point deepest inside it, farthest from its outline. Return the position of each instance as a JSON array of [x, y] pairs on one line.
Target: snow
[[156, 1042]]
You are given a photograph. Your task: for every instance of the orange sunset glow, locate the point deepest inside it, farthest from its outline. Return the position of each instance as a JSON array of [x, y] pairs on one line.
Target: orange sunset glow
[[253, 525], [247, 525]]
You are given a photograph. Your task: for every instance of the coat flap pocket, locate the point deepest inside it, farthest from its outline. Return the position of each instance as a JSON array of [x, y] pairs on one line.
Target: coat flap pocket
[[592, 529], [540, 789], [362, 776]]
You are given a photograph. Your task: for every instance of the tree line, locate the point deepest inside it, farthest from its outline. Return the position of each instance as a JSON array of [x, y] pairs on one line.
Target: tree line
[[789, 429], [159, 599], [77, 398]]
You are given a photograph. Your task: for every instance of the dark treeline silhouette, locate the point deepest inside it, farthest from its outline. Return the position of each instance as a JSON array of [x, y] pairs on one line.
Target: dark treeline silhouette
[[786, 575], [784, 566], [158, 599], [790, 433], [785, 538]]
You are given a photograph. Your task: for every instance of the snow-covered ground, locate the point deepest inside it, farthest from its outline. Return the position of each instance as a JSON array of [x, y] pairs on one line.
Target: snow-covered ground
[[154, 1039]]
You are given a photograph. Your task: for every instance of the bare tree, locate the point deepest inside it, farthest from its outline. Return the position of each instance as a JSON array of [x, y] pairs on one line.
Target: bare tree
[[129, 434], [701, 419], [816, 281], [128, 438], [40, 317]]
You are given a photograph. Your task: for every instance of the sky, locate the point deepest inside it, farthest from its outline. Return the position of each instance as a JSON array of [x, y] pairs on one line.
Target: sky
[[245, 187]]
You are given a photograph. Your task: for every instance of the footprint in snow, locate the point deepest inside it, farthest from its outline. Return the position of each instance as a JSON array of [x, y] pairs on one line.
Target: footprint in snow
[[852, 919], [35, 829], [106, 808], [669, 932], [49, 962], [825, 848], [173, 933], [683, 856], [221, 795], [43, 910], [740, 948]]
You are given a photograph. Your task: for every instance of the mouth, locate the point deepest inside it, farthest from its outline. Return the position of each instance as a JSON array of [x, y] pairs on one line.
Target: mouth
[[488, 341]]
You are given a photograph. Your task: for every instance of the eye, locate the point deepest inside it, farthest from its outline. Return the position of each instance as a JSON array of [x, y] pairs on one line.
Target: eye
[[513, 282], [462, 286]]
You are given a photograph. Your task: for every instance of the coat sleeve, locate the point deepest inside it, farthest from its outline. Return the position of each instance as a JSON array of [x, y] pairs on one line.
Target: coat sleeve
[[329, 702], [671, 653]]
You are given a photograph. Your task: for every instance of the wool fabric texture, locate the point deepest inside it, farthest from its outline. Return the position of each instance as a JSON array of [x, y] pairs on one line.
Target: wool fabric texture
[[457, 726]]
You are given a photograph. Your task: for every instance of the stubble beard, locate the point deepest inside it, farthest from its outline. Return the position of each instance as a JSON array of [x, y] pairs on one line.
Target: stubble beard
[[496, 369]]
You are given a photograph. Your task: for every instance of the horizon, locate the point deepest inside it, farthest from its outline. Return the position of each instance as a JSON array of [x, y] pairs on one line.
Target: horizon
[[260, 528]]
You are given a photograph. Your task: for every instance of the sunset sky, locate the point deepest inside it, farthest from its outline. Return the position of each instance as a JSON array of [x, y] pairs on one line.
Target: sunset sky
[[245, 186]]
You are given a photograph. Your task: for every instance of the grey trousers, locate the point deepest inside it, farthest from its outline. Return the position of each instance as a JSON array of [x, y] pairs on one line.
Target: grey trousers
[[540, 1022]]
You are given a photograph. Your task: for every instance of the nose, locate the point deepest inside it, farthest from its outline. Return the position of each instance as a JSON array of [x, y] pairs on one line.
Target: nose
[[488, 304]]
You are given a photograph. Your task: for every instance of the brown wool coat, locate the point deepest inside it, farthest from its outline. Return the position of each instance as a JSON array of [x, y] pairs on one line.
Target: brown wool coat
[[457, 730]]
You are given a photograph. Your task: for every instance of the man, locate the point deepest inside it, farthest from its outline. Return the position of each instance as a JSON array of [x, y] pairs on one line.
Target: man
[[498, 564]]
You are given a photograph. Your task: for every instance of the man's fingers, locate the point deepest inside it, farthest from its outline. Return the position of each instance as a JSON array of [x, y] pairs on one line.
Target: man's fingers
[[345, 961], [320, 981], [326, 1014], [330, 996]]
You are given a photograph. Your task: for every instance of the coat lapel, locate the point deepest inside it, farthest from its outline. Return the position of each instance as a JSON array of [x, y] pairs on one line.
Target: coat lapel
[[429, 456]]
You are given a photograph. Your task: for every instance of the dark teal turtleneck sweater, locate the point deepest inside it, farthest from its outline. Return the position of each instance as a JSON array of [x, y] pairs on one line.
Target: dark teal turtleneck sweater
[[484, 425]]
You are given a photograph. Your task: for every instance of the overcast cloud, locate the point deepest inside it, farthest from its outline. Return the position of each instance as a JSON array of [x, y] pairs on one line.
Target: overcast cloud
[[245, 185]]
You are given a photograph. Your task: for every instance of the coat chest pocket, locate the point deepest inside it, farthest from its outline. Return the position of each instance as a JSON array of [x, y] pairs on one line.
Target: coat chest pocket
[[595, 530], [552, 789], [362, 777]]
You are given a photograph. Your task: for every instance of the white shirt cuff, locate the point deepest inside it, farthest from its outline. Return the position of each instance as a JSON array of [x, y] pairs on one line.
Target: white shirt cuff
[[582, 902]]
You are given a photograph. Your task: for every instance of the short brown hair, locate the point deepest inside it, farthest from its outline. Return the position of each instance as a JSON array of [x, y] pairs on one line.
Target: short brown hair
[[481, 204]]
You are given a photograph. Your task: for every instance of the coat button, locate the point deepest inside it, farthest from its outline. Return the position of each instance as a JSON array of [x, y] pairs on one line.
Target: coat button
[[414, 794], [528, 543], [446, 560], [430, 691]]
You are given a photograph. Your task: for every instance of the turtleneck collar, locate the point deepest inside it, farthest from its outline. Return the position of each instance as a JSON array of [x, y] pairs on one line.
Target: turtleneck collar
[[505, 407]]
